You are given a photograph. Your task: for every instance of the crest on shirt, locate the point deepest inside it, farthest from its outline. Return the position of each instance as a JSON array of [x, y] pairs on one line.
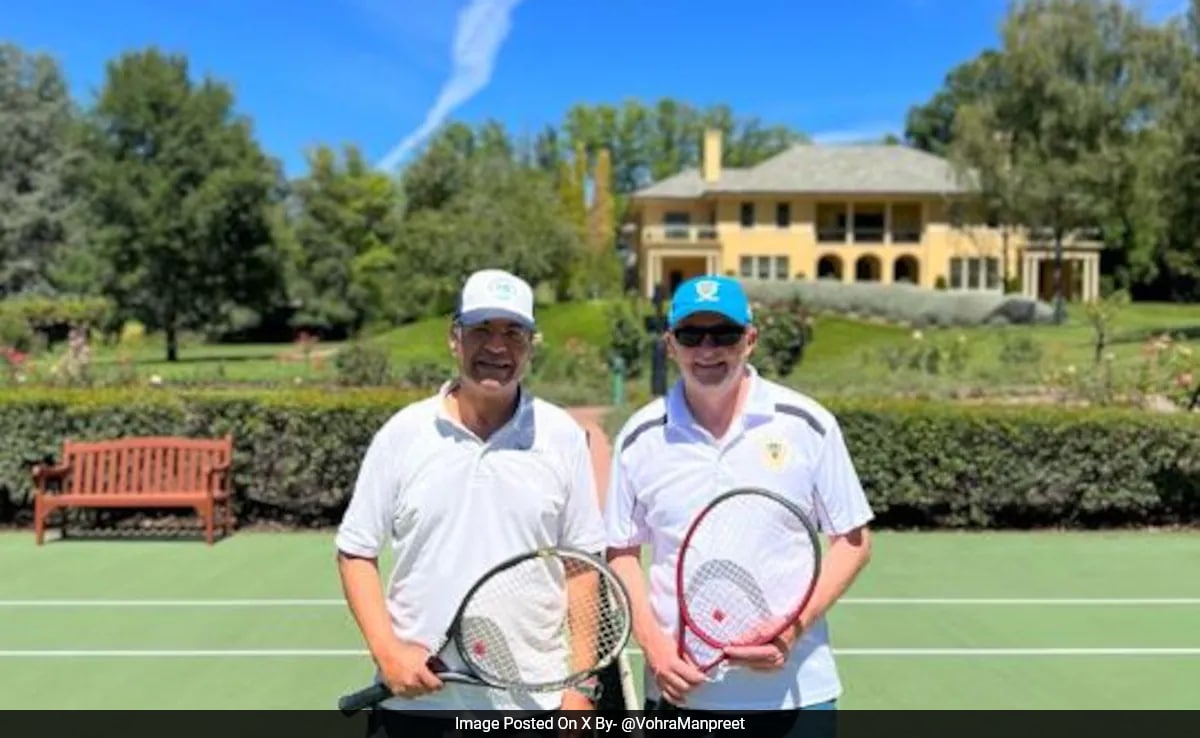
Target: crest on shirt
[[775, 453]]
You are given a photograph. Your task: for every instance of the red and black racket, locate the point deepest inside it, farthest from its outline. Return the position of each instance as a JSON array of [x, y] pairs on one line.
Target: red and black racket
[[747, 568]]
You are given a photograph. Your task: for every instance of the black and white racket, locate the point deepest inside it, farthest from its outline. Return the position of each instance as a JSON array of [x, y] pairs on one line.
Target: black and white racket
[[538, 622]]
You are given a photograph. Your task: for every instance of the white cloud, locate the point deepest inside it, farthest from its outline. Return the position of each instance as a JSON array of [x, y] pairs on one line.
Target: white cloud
[[480, 32]]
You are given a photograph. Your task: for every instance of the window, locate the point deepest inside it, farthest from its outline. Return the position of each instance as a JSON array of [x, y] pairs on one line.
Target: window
[[676, 224], [747, 215], [783, 214], [765, 267], [975, 273]]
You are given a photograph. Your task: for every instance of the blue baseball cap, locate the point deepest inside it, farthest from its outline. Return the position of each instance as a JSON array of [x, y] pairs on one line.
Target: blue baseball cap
[[710, 294]]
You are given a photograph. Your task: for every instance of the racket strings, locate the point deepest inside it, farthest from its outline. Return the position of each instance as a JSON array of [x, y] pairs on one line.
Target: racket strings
[[543, 623], [746, 568]]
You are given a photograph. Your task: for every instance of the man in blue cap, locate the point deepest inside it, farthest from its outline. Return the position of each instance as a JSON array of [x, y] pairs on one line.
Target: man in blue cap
[[723, 426]]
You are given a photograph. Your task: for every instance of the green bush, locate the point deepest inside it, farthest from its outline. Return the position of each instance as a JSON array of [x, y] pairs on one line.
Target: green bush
[[923, 464], [904, 303], [296, 452], [629, 339], [945, 465], [784, 332], [948, 465]]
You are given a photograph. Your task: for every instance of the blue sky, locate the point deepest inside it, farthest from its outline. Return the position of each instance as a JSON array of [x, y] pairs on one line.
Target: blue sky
[[372, 72]]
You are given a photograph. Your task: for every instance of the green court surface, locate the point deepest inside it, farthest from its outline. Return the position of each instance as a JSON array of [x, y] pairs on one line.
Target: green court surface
[[938, 621]]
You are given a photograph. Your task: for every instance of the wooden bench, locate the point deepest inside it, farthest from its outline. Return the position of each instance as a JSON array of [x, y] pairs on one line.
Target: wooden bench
[[139, 472]]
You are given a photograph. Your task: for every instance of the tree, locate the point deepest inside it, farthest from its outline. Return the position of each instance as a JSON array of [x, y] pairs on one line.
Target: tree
[[180, 196], [931, 126], [1068, 136], [40, 224], [346, 230]]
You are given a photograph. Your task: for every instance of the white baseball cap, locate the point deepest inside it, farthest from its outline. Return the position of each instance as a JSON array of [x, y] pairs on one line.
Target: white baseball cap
[[492, 294]]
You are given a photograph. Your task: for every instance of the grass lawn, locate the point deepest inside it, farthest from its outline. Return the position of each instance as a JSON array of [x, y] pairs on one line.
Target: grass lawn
[[847, 355]]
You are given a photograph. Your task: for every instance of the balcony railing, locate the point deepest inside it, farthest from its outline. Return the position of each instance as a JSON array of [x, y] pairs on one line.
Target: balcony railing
[[868, 234], [706, 234]]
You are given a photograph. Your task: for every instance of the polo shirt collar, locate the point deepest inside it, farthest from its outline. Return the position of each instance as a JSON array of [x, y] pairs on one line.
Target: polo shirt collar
[[759, 404], [518, 432]]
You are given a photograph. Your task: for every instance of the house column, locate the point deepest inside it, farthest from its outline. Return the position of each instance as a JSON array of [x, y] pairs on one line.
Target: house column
[[652, 260]]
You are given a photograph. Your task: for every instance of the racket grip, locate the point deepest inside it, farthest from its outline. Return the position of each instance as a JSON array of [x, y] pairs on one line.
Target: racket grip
[[364, 698]]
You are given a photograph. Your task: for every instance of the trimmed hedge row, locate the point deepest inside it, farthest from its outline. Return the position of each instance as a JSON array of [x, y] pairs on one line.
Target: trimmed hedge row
[[296, 453], [944, 465], [900, 302], [923, 464]]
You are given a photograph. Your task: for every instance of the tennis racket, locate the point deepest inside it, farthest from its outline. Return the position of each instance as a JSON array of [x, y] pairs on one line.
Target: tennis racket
[[538, 622], [747, 568]]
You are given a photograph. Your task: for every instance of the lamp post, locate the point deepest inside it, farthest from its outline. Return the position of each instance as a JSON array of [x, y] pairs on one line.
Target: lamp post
[[655, 325]]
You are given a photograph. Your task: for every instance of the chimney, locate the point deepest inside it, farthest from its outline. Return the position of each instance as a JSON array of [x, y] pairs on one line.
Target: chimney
[[712, 155]]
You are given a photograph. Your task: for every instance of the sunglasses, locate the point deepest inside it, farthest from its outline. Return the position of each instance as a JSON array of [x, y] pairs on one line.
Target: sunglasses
[[722, 335]]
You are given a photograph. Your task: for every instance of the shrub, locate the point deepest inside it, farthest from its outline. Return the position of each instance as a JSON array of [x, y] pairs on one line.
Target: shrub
[[363, 365], [923, 464], [296, 452], [784, 332], [629, 339], [904, 303], [946, 465]]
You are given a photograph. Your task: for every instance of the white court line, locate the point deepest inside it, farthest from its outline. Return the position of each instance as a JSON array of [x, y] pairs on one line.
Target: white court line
[[267, 602], [339, 652], [175, 603], [1085, 601]]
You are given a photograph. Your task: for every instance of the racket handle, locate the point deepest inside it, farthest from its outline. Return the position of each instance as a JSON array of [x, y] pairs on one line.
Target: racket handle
[[364, 698]]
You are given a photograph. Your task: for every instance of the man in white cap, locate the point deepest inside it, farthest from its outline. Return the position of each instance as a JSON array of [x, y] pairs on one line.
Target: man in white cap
[[455, 484]]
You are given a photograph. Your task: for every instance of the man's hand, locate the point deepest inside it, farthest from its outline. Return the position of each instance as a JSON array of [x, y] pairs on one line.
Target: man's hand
[[405, 670], [751, 652], [675, 676], [573, 700]]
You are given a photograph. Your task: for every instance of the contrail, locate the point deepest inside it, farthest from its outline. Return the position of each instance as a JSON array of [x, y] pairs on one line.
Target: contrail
[[482, 27]]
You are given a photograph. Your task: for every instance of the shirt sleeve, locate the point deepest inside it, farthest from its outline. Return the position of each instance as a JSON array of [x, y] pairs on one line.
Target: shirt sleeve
[[624, 517], [842, 501], [366, 526], [582, 525]]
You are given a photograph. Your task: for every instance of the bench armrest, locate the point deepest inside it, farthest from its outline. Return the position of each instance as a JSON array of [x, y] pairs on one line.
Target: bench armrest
[[43, 474], [221, 471]]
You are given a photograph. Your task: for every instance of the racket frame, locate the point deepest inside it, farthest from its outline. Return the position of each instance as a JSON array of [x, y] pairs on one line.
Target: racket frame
[[378, 692], [686, 623]]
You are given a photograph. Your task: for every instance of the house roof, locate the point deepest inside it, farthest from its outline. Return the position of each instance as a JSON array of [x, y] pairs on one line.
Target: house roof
[[811, 168]]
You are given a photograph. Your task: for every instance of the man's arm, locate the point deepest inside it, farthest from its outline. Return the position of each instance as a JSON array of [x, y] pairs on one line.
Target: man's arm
[[582, 528], [844, 511], [362, 534], [846, 556]]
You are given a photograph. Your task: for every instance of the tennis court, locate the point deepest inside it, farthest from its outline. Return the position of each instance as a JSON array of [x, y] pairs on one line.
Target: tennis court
[[939, 621]]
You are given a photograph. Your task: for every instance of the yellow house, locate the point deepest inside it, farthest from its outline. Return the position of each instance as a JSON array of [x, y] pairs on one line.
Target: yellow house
[[873, 213]]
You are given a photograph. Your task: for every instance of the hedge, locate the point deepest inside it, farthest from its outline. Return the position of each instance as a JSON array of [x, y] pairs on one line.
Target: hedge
[[949, 465], [923, 464], [903, 303], [296, 453]]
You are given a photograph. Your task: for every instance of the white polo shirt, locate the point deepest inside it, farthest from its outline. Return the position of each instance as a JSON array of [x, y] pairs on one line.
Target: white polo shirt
[[451, 507], [666, 468]]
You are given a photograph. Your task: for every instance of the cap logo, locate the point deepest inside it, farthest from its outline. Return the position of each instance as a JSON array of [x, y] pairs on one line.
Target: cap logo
[[501, 288], [706, 291]]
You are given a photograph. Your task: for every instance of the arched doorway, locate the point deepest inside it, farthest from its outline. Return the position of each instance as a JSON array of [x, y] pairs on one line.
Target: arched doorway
[[867, 269], [829, 267], [906, 269]]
